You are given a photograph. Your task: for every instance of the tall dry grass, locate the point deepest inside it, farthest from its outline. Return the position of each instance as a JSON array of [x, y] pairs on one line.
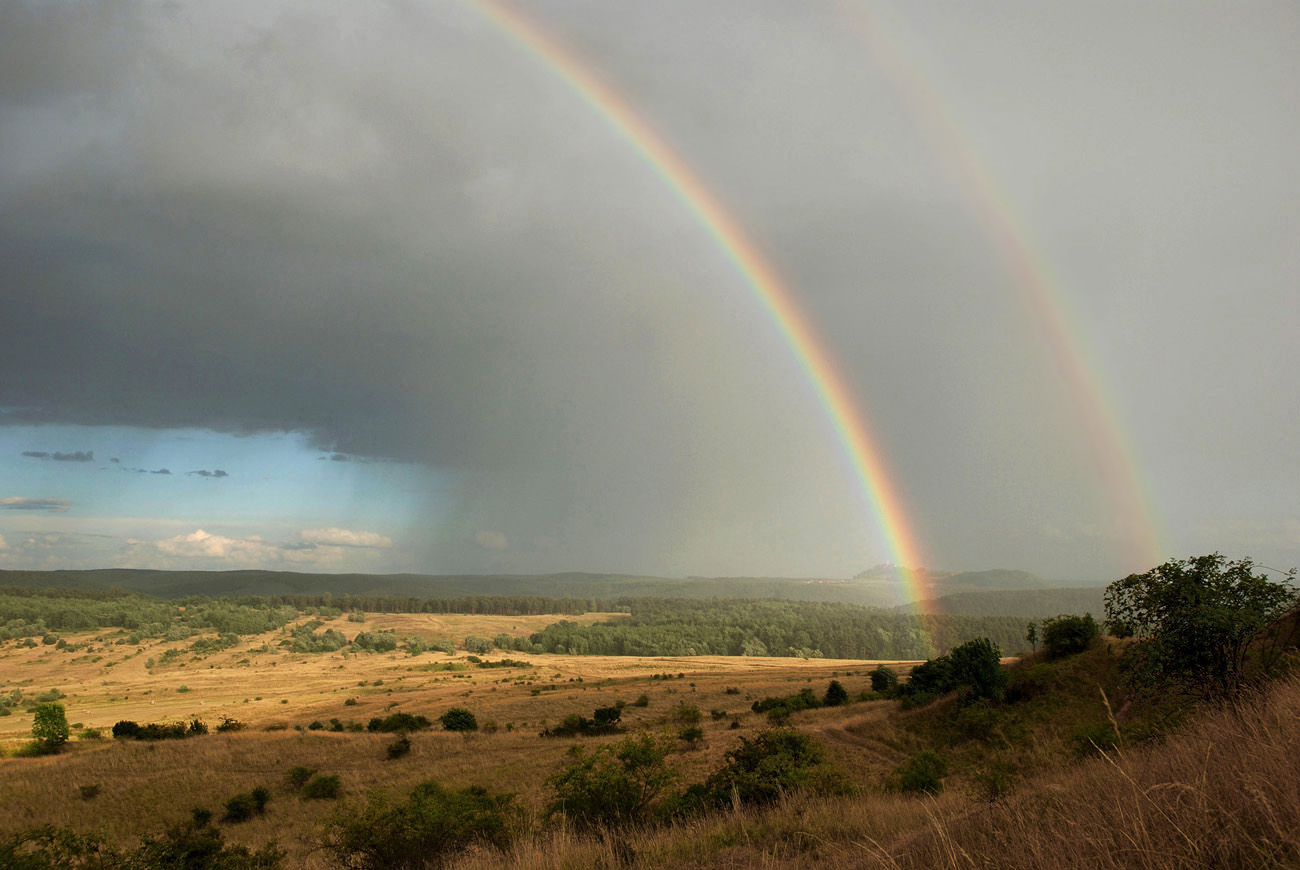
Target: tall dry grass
[[1225, 793]]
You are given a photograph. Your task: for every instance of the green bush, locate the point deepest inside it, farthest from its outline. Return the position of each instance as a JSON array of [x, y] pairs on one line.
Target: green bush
[[616, 784], [1069, 634], [883, 680], [297, 777], [244, 806], [432, 825], [50, 726], [775, 762], [923, 773], [458, 719], [835, 695], [322, 788], [399, 747], [189, 846], [399, 722]]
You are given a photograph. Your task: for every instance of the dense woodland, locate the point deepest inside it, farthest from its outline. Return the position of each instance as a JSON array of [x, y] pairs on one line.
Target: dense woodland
[[685, 627], [653, 627]]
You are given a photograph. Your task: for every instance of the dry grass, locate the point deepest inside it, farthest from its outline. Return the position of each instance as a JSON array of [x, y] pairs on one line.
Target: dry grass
[[144, 786]]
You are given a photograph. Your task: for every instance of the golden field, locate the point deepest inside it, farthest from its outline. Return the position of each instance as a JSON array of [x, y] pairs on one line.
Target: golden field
[[144, 786]]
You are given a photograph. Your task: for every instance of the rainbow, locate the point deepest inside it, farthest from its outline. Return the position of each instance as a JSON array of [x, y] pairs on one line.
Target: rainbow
[[1041, 291], [863, 452]]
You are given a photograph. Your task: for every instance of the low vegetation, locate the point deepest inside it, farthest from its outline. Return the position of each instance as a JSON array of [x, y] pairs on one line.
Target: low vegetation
[[960, 761]]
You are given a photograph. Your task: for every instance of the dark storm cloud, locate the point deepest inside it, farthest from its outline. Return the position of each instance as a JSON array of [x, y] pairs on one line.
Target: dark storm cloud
[[394, 231]]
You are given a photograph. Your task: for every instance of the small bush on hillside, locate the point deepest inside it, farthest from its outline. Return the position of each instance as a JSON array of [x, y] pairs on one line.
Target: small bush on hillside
[[778, 707], [398, 722], [883, 680], [126, 728], [923, 773], [835, 695], [322, 788], [614, 785], [297, 777], [458, 719], [399, 747], [432, 825], [50, 727], [478, 644], [1069, 634], [244, 806], [775, 762], [228, 724]]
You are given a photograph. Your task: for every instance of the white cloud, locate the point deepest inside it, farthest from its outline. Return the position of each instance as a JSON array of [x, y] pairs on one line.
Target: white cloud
[[334, 537], [200, 544], [489, 540]]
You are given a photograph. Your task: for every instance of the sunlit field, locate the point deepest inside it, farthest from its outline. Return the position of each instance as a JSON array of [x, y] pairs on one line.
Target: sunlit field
[[288, 703]]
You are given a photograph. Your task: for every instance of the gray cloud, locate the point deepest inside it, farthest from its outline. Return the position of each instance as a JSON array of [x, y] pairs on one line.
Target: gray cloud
[[160, 471], [399, 234], [205, 473], [58, 456], [48, 505]]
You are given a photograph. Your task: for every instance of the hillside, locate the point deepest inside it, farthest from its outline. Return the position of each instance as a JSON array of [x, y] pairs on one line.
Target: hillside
[[1023, 603], [880, 587]]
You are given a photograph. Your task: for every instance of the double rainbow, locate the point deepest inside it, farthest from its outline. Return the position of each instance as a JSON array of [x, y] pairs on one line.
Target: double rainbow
[[766, 285]]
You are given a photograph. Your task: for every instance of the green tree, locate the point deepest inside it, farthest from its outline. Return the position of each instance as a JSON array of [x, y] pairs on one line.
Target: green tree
[[1197, 622], [978, 664], [1031, 636], [50, 726]]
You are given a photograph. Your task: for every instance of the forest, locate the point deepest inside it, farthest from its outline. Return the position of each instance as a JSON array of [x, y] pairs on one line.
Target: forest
[[652, 626]]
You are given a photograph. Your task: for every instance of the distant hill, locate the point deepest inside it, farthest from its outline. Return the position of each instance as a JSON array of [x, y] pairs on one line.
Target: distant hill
[[1028, 603], [883, 586]]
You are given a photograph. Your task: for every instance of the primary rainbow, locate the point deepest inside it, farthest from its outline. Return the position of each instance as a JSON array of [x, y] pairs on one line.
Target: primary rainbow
[[864, 455], [1041, 290]]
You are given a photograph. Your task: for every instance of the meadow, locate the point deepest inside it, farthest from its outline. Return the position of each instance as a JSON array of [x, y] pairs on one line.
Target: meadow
[[277, 695], [1058, 760]]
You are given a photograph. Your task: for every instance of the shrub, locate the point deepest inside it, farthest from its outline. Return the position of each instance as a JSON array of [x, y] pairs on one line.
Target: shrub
[[244, 806], [1069, 634], [776, 761], [430, 826], [641, 701], [50, 726], [229, 724], [458, 719], [614, 785], [835, 695], [399, 747], [197, 726], [322, 788], [399, 722], [923, 773], [126, 728], [477, 644], [691, 735], [88, 791], [884, 680]]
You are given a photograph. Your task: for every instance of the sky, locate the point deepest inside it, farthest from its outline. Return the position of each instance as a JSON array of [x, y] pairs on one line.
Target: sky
[[391, 286]]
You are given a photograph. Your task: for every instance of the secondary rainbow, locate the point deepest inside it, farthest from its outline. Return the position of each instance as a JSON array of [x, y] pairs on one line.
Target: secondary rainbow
[[1041, 290], [864, 455]]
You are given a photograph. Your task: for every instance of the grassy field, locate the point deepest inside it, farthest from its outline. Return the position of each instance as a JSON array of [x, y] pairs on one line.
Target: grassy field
[[1027, 789], [277, 695]]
